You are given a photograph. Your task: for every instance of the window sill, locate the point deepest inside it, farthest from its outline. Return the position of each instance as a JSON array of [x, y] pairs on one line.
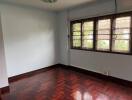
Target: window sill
[[121, 53]]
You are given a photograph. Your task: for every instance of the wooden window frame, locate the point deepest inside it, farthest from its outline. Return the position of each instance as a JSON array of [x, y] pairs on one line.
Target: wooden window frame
[[95, 21]]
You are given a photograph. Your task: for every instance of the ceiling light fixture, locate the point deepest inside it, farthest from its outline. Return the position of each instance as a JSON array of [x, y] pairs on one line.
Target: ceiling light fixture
[[49, 1]]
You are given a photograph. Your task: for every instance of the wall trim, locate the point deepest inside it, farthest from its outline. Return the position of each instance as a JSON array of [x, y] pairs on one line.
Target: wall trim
[[99, 75], [4, 90], [31, 73]]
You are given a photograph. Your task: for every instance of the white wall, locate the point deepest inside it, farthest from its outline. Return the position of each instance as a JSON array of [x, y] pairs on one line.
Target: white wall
[[118, 65], [63, 38], [30, 38], [3, 73]]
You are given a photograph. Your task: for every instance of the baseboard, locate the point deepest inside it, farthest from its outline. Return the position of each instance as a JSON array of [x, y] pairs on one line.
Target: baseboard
[[98, 75], [29, 74], [5, 90]]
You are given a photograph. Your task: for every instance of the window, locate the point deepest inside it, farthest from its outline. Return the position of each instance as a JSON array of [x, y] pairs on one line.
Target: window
[[121, 36], [76, 37], [103, 34], [111, 33], [87, 34]]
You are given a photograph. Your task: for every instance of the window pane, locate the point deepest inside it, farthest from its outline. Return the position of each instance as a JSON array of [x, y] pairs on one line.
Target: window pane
[[121, 34], [103, 37], [76, 37], [88, 44], [123, 22], [88, 37], [103, 34], [122, 31], [125, 36], [103, 45], [88, 26], [104, 24], [103, 31], [76, 33], [77, 27], [87, 32], [76, 43], [121, 45]]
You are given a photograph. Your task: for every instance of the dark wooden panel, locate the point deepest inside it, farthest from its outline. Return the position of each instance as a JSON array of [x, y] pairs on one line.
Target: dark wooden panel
[[5, 89], [0, 95], [29, 74]]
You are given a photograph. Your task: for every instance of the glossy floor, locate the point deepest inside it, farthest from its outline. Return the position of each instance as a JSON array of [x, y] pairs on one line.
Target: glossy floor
[[62, 84]]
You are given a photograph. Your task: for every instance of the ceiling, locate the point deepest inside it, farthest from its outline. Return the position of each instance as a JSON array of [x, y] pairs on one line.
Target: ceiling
[[59, 5]]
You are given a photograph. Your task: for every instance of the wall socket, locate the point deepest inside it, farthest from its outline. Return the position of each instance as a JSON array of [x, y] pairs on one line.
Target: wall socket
[[106, 73]]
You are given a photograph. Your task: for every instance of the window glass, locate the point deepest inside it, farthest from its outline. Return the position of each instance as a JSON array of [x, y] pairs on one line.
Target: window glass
[[87, 39], [121, 36], [103, 35], [76, 35]]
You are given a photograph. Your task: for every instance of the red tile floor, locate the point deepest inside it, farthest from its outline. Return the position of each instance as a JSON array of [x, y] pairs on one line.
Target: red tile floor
[[63, 84]]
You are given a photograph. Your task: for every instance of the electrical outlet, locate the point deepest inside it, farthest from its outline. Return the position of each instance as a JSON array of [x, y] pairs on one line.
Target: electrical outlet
[[106, 73]]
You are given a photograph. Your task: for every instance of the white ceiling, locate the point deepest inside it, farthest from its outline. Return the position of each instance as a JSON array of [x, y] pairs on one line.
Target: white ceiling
[[59, 5]]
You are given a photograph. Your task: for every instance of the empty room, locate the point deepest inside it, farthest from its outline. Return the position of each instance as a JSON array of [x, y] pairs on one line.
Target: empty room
[[65, 49]]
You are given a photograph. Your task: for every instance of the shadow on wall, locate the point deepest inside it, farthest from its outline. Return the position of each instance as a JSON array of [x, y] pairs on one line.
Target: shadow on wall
[[3, 73]]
